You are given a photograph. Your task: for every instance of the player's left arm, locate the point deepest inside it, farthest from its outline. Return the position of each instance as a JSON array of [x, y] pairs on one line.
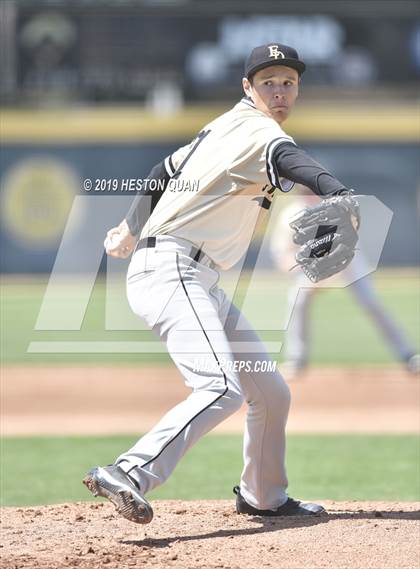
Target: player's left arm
[[287, 160], [327, 233]]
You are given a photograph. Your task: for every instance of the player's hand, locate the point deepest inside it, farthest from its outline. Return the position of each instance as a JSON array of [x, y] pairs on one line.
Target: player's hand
[[119, 242]]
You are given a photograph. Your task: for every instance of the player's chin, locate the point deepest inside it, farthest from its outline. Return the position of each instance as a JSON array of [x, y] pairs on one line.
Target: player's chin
[[280, 114]]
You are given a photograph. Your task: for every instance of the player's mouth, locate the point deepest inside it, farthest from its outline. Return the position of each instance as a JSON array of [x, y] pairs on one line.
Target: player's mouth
[[279, 108]]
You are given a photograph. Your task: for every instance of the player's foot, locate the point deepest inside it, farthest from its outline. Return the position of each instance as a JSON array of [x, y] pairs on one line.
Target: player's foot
[[292, 370], [413, 364], [113, 483], [290, 508]]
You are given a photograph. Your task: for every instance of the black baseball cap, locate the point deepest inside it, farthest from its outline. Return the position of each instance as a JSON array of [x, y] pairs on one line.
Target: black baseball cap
[[273, 54]]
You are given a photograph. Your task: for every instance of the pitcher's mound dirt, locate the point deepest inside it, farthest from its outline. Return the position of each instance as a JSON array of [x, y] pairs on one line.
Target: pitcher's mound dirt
[[210, 535]]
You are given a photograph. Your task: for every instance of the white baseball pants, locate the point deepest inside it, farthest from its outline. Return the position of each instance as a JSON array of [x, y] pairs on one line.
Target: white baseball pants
[[180, 300]]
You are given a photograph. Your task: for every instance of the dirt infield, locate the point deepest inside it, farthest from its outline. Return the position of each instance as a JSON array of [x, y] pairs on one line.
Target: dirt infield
[[115, 399], [205, 534], [210, 535]]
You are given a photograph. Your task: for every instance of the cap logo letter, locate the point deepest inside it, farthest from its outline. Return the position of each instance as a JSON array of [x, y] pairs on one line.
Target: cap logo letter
[[275, 52]]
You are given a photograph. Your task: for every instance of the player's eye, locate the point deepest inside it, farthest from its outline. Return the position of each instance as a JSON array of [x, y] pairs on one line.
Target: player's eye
[[269, 83]]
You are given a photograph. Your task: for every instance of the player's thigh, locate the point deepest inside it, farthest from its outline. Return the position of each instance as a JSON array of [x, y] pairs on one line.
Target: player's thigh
[[260, 380], [188, 322]]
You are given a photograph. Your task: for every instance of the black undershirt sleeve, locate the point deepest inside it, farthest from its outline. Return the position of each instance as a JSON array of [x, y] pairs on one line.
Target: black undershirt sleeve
[[138, 213], [291, 162]]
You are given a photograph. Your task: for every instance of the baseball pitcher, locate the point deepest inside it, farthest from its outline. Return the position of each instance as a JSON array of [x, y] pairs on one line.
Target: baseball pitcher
[[213, 193]]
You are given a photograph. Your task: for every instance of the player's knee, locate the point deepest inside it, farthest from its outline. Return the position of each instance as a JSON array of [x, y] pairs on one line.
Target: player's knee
[[284, 393], [232, 400], [279, 394]]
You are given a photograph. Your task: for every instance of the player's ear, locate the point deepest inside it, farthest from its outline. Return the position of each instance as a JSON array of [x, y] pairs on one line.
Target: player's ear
[[246, 85]]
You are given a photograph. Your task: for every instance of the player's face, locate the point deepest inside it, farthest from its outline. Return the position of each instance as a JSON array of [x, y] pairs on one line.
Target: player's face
[[274, 91]]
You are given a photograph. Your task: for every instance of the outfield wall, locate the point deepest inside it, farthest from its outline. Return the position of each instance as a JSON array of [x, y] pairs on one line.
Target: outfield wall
[[47, 155]]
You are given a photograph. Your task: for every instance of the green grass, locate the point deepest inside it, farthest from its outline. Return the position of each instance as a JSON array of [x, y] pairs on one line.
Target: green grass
[[341, 331], [40, 470], [21, 300]]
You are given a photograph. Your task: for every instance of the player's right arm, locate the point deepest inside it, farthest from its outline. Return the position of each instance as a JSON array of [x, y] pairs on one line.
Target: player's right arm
[[138, 215], [121, 240]]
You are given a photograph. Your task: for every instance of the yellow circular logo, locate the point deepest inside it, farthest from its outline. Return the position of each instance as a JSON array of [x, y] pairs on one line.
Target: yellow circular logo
[[36, 198]]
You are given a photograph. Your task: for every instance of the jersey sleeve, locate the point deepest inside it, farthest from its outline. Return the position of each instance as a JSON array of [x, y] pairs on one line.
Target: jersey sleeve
[[174, 160], [273, 174]]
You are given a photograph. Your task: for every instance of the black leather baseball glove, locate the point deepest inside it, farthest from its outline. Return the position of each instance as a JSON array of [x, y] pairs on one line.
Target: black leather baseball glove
[[327, 235]]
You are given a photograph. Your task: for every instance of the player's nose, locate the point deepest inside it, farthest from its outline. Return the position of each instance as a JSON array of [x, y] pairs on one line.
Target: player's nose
[[279, 95], [279, 91]]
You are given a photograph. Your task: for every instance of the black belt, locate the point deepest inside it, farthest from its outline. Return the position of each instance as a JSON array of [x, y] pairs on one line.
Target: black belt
[[145, 243], [150, 242]]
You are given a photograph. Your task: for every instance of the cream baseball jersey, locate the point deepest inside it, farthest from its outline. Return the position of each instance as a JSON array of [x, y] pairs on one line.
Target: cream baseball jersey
[[220, 184]]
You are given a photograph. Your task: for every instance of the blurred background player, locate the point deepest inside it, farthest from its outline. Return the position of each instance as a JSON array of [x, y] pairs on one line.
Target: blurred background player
[[302, 293]]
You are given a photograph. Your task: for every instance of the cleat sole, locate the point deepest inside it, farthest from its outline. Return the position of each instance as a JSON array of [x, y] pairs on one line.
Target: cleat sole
[[123, 500]]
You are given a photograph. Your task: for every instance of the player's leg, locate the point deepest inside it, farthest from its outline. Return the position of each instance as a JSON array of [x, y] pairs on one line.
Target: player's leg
[[263, 484], [366, 295], [298, 331], [186, 318], [264, 480]]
